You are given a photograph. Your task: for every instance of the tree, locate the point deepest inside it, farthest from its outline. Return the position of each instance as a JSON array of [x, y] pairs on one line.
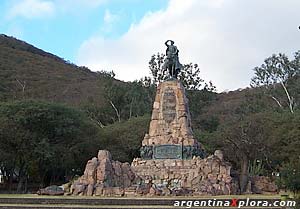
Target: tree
[[189, 75], [272, 137], [278, 70], [106, 74], [155, 65], [243, 139], [124, 139], [128, 100], [38, 141], [138, 100], [290, 176]]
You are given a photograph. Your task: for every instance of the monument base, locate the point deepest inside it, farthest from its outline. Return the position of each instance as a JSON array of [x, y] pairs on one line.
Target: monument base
[[105, 177], [208, 176]]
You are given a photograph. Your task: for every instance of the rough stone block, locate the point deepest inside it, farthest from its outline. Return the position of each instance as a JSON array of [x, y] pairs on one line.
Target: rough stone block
[[90, 190]]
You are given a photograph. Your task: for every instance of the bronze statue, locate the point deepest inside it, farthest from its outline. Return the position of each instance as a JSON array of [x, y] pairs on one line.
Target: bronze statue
[[172, 61]]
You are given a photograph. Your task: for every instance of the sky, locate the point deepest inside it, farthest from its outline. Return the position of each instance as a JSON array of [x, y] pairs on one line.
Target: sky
[[226, 38]]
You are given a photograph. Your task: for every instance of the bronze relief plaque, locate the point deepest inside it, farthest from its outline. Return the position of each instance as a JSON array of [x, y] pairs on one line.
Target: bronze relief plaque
[[169, 105], [167, 151]]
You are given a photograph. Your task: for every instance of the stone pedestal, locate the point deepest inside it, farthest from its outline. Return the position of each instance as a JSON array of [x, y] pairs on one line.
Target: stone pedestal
[[170, 121], [208, 176], [170, 135]]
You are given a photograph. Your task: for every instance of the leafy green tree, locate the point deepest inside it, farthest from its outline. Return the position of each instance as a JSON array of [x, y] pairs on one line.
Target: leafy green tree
[[129, 99], [256, 168], [106, 74], [114, 94], [189, 75], [124, 139], [278, 70], [243, 140], [39, 140], [283, 138], [198, 100], [155, 65], [138, 100], [269, 136], [290, 176]]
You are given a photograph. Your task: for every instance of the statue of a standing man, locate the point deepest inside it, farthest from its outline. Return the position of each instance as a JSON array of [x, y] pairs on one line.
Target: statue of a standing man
[[172, 61]]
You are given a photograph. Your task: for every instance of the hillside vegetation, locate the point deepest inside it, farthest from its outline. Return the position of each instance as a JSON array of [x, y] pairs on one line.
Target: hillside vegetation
[[30, 73]]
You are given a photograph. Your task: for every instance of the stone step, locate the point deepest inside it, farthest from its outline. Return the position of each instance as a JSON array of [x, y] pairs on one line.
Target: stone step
[[88, 201]]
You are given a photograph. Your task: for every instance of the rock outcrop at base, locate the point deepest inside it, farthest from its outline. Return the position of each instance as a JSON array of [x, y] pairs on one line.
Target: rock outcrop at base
[[51, 190], [263, 185], [105, 177]]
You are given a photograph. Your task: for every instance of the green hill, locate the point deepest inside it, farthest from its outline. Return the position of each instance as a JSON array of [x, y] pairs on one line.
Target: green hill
[[31, 73]]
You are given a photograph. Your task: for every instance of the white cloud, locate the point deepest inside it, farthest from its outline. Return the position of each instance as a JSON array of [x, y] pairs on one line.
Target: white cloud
[[109, 22], [227, 38], [109, 18], [76, 6], [44, 8], [87, 3], [31, 9]]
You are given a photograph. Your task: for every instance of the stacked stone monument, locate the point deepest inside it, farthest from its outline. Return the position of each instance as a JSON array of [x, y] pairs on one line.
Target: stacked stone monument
[[170, 134], [172, 161]]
